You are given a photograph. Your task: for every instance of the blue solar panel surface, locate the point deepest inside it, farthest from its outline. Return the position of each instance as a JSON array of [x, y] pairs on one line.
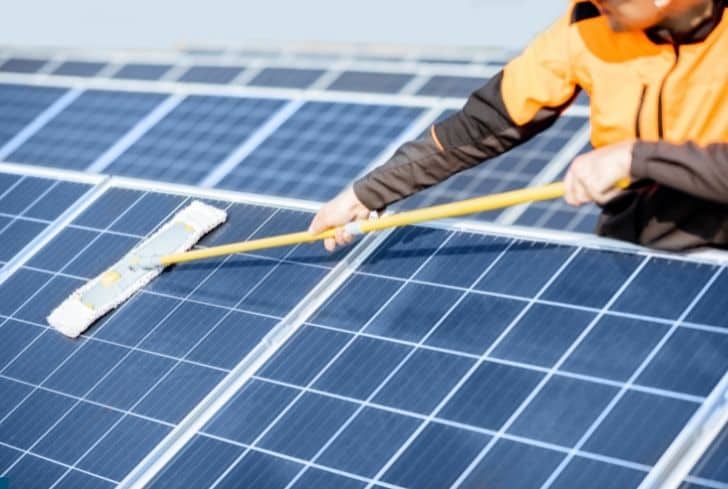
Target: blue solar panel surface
[[20, 104], [320, 149], [28, 205], [451, 358], [372, 82], [85, 129], [79, 68], [451, 86], [23, 65], [92, 408], [557, 214], [142, 71], [196, 136], [211, 74], [286, 77], [512, 170]]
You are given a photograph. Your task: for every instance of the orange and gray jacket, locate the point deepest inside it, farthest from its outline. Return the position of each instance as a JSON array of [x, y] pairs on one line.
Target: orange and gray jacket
[[670, 94]]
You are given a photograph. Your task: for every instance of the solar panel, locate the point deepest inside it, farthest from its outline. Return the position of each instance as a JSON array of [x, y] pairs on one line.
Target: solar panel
[[28, 205], [142, 71], [557, 214], [512, 170], [286, 77], [320, 149], [451, 358], [211, 74], [23, 65], [451, 86], [194, 138], [91, 409], [84, 130], [20, 104], [371, 82], [79, 68]]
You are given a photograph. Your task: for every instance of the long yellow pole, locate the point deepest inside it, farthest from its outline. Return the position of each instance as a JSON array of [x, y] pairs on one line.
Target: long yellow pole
[[454, 209]]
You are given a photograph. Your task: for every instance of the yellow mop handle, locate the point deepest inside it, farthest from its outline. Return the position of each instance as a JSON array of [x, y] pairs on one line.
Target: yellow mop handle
[[454, 209]]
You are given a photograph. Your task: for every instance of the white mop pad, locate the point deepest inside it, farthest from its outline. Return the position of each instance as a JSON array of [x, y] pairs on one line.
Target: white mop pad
[[125, 277]]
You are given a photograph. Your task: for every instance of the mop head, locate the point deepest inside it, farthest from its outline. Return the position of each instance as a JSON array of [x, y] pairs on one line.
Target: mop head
[[124, 278]]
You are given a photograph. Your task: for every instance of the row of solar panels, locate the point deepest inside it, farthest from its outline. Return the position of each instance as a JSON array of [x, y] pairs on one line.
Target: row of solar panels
[[427, 357], [290, 77], [309, 146]]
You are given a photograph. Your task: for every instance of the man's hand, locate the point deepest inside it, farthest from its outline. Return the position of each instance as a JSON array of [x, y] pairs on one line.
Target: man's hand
[[341, 210], [593, 176]]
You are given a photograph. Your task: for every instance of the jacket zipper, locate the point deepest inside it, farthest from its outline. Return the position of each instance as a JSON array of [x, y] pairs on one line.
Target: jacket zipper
[[660, 121], [637, 129]]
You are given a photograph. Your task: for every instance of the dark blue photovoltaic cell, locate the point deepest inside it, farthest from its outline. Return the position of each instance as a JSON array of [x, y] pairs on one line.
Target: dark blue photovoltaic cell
[[592, 278], [320, 149], [28, 205], [584, 472], [691, 361], [286, 77], [615, 347], [88, 127], [451, 86], [436, 457], [370, 82], [23, 65], [79, 68], [679, 283], [543, 335], [19, 105], [709, 310], [101, 403], [142, 71], [348, 391], [512, 170], [513, 465], [211, 74], [194, 138], [640, 427]]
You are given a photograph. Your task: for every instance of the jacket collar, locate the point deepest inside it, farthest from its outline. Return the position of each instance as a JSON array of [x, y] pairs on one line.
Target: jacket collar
[[698, 34]]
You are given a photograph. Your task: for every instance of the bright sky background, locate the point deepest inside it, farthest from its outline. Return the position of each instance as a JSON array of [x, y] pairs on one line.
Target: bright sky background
[[169, 23]]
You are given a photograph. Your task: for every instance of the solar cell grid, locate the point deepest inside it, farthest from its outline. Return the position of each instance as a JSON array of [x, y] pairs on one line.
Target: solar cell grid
[[93, 408], [85, 129], [557, 214], [25, 210], [319, 149], [512, 170], [196, 136], [361, 393], [20, 104]]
